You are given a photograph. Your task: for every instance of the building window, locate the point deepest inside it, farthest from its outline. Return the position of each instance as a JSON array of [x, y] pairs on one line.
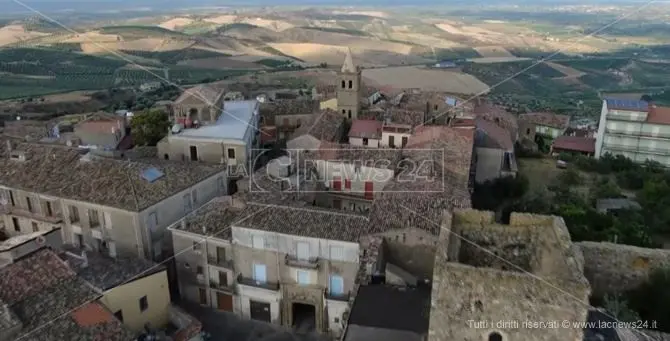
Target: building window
[[35, 227], [351, 84], [337, 183], [343, 84], [11, 197], [495, 336], [199, 270], [202, 295], [74, 214], [349, 113], [93, 219], [187, 203], [257, 242], [302, 250], [29, 202], [302, 277], [528, 131], [194, 195], [298, 122], [344, 111], [404, 141], [50, 211], [223, 279], [347, 183], [196, 246], [260, 275], [336, 285], [153, 221], [336, 253], [144, 303], [119, 315], [79, 239], [15, 222], [231, 153], [166, 157]]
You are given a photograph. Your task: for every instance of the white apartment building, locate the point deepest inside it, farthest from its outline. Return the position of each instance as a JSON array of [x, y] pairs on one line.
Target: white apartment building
[[635, 129]]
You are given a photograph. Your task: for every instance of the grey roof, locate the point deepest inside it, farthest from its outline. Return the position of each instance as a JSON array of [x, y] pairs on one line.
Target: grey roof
[[233, 123], [616, 204], [105, 272], [212, 219], [307, 222], [61, 172], [8, 318], [326, 126], [402, 308]]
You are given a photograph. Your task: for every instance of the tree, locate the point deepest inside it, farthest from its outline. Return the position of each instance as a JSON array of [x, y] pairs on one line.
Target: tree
[[149, 127], [618, 307], [652, 299]]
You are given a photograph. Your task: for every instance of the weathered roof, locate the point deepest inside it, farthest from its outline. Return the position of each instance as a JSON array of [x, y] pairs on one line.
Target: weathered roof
[[498, 115], [403, 308], [395, 115], [348, 66], [371, 129], [327, 125], [101, 123], [212, 219], [455, 144], [270, 110], [62, 172], [307, 222], [547, 119], [201, 93], [382, 158], [43, 292], [106, 272], [491, 135], [575, 143]]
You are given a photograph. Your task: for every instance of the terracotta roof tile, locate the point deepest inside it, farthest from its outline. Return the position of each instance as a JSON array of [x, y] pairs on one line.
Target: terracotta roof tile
[[371, 129], [490, 135], [658, 115], [92, 314], [547, 119], [270, 110], [326, 126], [575, 143], [455, 144]]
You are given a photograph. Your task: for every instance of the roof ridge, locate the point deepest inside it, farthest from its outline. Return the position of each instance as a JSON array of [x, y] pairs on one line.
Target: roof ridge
[[323, 211], [132, 188]]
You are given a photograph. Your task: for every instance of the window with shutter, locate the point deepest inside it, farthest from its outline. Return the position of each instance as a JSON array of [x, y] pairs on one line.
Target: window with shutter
[[302, 250], [347, 183], [368, 190]]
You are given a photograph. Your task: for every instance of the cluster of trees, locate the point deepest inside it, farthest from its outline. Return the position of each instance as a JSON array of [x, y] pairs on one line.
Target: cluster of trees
[[573, 197], [149, 126]]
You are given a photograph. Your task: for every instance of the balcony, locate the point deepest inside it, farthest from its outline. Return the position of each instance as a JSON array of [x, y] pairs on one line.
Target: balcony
[[221, 262], [221, 287], [638, 134], [636, 149], [55, 218], [344, 297], [310, 263], [254, 283]]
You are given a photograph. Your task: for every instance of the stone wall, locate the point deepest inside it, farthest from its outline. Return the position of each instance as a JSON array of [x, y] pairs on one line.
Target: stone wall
[[615, 268]]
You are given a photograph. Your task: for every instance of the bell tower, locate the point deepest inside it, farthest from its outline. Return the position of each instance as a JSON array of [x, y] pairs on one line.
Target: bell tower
[[349, 88]]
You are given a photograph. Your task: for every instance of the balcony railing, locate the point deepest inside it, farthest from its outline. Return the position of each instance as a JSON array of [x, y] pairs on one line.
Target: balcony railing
[[638, 133], [309, 263], [221, 262], [218, 286], [254, 283], [337, 297], [54, 218]]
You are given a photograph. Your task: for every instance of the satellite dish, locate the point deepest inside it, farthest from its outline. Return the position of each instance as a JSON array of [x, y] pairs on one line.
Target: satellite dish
[[177, 128]]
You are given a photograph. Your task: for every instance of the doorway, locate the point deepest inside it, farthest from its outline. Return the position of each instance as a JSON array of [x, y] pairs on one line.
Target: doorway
[[260, 311], [304, 317], [194, 153]]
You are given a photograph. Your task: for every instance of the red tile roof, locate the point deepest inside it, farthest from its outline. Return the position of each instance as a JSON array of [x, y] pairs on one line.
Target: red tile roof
[[658, 115], [92, 314], [575, 143], [499, 134], [31, 275], [371, 129]]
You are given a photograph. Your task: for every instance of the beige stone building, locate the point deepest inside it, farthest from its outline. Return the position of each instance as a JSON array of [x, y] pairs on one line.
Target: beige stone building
[[294, 266], [231, 140], [110, 205], [527, 271], [350, 89], [202, 103]]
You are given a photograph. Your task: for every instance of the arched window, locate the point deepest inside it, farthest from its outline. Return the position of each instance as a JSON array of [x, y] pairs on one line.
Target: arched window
[[351, 84], [495, 336], [343, 85]]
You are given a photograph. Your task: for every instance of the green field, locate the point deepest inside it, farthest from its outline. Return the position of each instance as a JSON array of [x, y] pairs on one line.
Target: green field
[[172, 57], [39, 71]]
